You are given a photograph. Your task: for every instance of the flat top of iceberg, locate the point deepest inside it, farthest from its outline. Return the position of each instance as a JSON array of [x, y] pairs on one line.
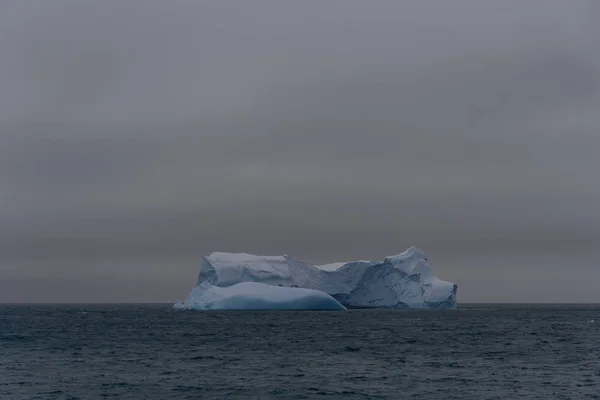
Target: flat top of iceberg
[[266, 262], [242, 257], [232, 267]]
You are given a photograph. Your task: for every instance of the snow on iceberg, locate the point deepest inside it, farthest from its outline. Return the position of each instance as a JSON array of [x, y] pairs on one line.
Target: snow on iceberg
[[257, 296], [402, 281]]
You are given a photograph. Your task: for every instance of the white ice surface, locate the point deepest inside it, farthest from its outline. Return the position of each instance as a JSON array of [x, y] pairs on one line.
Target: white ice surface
[[258, 296]]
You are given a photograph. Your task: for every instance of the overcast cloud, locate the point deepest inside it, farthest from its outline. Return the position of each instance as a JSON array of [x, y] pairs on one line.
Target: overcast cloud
[[137, 136]]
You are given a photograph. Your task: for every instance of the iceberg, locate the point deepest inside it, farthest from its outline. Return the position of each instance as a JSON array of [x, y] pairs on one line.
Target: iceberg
[[257, 296], [178, 305], [405, 280]]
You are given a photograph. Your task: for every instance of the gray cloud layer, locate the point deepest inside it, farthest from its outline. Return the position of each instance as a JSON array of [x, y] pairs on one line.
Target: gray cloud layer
[[137, 136]]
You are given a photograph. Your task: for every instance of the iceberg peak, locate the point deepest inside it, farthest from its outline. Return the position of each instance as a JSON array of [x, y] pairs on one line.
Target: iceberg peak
[[411, 261], [411, 253]]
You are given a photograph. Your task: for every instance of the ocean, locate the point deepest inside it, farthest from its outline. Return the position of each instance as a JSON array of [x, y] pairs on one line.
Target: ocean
[[154, 352]]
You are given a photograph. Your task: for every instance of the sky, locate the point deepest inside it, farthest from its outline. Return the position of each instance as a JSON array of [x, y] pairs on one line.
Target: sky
[[138, 136]]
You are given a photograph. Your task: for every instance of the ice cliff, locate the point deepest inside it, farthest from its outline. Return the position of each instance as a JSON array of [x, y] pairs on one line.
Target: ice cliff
[[402, 281]]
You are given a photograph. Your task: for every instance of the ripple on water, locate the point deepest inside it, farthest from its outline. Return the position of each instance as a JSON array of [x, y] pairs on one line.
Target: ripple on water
[[151, 352]]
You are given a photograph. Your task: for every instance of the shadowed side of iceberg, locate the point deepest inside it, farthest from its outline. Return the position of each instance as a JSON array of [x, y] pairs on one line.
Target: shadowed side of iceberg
[[405, 280], [448, 303], [257, 296]]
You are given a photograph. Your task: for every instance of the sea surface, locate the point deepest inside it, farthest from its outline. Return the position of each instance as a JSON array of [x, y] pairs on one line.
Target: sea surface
[[155, 352]]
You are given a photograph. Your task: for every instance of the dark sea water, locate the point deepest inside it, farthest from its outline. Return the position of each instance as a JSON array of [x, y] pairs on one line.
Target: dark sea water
[[154, 352]]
